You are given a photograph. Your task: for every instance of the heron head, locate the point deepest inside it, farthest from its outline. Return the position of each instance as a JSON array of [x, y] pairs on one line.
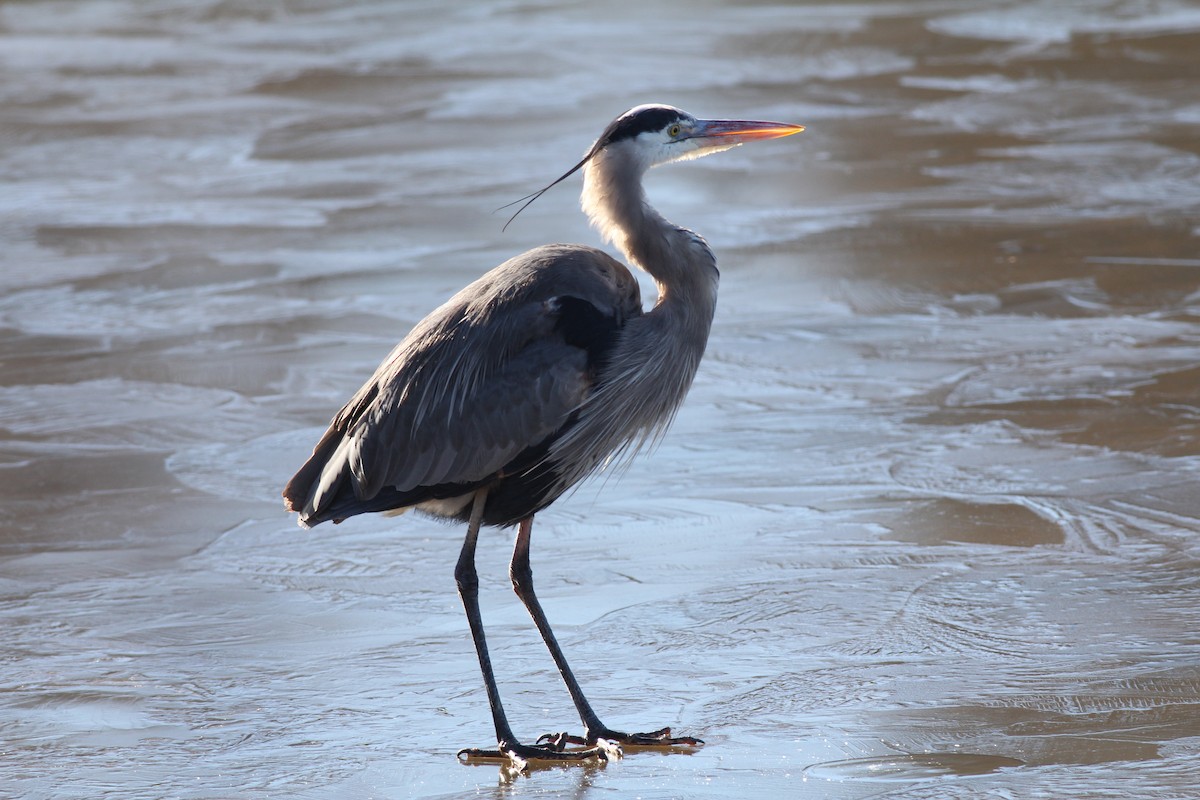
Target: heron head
[[659, 134], [648, 135]]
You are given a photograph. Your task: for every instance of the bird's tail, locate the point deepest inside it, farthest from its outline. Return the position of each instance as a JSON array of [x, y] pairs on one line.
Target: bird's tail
[[300, 494]]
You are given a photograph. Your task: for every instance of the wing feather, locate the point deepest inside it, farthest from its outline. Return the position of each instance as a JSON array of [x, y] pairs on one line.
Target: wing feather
[[480, 380]]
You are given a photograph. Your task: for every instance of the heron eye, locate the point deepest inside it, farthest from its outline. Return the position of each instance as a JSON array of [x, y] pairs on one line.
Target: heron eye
[[673, 131]]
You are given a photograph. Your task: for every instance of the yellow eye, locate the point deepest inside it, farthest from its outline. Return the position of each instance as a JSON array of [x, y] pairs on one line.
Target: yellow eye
[[673, 131]]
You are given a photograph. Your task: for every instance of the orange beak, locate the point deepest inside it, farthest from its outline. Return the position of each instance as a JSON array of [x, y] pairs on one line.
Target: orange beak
[[736, 131]]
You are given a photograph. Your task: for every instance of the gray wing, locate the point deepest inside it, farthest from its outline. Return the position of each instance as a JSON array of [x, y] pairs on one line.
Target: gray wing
[[484, 377]]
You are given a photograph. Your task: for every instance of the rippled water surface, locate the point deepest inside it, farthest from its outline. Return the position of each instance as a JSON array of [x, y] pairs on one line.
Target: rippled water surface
[[926, 527]]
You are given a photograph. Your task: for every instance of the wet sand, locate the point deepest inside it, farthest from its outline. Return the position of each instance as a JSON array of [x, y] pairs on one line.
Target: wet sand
[[926, 527]]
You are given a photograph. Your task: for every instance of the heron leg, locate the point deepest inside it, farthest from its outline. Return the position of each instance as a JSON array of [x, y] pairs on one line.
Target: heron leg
[[508, 748], [594, 730]]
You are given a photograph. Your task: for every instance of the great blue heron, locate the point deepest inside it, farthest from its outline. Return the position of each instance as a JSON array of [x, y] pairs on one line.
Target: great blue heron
[[530, 379]]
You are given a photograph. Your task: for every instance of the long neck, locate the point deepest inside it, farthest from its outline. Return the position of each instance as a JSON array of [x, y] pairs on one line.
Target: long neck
[[655, 357], [681, 263]]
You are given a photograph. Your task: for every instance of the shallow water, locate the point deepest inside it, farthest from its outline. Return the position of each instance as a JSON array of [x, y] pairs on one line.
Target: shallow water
[[926, 527]]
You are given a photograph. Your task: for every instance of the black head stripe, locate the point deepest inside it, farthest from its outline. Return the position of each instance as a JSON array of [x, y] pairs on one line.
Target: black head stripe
[[643, 119]]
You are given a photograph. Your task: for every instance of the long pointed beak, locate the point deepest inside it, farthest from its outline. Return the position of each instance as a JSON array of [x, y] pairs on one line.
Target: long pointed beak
[[736, 131]]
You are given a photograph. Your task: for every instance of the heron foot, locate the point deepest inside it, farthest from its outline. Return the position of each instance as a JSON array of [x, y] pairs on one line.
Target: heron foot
[[555, 749], [659, 738]]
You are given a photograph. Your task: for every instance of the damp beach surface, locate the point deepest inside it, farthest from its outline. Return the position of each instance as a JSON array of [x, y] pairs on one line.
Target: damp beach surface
[[927, 525]]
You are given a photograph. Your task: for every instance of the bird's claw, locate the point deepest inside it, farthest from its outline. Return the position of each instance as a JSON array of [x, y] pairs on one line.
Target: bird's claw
[[659, 738], [559, 741], [554, 750]]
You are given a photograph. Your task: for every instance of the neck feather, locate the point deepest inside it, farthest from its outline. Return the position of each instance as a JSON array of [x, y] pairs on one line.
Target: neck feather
[[679, 260]]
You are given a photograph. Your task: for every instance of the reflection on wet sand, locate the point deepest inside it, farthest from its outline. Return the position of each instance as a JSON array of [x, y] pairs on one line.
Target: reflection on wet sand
[[933, 495]]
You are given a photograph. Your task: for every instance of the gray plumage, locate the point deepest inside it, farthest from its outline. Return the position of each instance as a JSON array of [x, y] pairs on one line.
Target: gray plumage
[[477, 382], [533, 377]]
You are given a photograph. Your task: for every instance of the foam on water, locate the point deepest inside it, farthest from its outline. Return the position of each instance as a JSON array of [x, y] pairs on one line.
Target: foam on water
[[1057, 22]]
